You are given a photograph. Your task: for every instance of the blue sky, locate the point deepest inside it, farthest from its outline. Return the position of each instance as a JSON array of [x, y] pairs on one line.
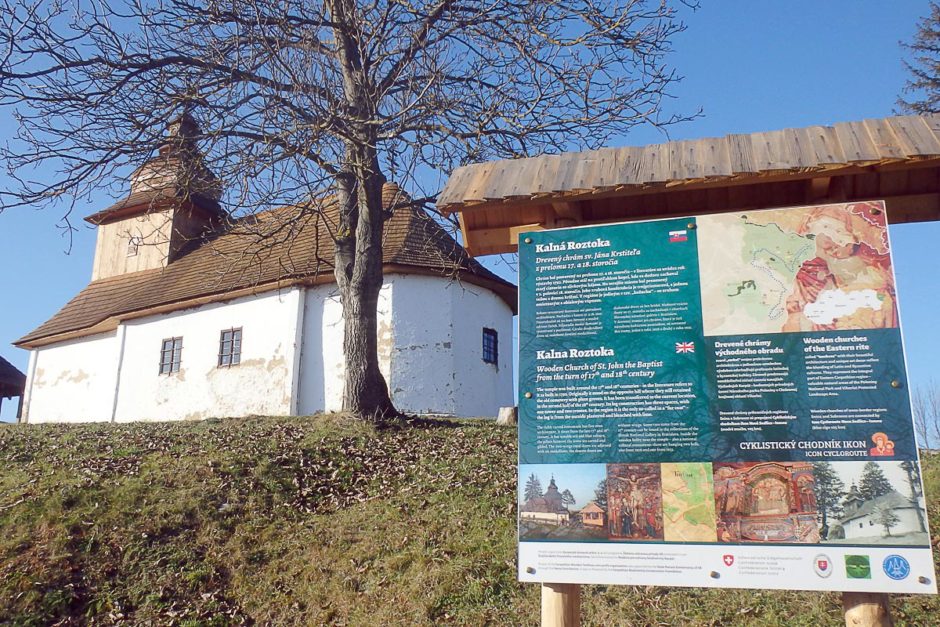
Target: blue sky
[[751, 66]]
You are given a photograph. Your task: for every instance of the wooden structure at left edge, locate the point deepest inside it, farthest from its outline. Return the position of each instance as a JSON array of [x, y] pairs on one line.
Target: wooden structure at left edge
[[12, 384], [894, 159]]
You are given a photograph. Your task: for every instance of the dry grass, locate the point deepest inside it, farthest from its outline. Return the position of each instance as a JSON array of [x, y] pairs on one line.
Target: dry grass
[[311, 521]]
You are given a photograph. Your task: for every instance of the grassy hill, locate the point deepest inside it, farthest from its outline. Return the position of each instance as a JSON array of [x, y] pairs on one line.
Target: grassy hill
[[305, 522]]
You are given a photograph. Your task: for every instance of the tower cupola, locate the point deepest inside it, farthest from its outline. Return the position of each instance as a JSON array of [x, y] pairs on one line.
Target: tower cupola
[[173, 199]]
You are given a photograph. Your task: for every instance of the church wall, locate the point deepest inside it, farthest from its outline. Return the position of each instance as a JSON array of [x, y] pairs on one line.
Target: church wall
[[322, 367], [429, 344], [422, 379], [321, 359], [481, 388], [437, 361], [72, 381], [260, 384]]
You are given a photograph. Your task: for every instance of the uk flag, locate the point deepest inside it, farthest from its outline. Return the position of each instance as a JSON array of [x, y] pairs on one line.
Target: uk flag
[[685, 347]]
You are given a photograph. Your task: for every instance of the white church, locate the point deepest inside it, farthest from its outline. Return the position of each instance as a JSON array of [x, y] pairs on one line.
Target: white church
[[181, 322]]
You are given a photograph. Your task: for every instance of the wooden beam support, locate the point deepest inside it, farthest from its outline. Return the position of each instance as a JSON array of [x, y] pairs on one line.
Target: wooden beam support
[[669, 187], [866, 609], [913, 208], [818, 188], [501, 240], [561, 605], [567, 214], [901, 209], [462, 221]]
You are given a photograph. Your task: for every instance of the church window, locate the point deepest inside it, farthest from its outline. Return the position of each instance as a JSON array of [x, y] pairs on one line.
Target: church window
[[170, 355], [133, 246], [230, 347], [490, 346]]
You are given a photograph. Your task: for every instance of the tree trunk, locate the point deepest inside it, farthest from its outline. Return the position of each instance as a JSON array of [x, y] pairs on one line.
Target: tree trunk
[[365, 393], [359, 277], [361, 219]]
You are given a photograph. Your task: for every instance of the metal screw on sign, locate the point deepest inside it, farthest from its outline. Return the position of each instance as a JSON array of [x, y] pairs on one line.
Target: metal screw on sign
[[896, 384], [714, 575], [691, 226], [531, 570], [923, 580], [876, 212], [528, 394], [528, 240]]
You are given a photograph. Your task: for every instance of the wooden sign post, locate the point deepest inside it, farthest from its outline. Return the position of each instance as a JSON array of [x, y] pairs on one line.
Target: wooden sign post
[[866, 609], [561, 605]]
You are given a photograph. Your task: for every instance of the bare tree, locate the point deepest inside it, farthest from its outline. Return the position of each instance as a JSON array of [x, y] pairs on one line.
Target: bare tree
[[297, 99], [925, 403], [921, 92]]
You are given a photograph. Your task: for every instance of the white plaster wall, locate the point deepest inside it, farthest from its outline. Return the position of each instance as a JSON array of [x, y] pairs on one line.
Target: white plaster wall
[[72, 381], [322, 367], [422, 377], [430, 351], [437, 360], [260, 384], [480, 389]]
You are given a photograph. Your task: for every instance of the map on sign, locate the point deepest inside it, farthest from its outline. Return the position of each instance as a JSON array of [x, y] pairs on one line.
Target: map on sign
[[783, 271], [688, 502]]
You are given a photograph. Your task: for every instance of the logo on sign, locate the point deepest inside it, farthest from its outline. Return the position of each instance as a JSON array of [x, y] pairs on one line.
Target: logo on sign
[[727, 559], [822, 565], [896, 567], [857, 567]]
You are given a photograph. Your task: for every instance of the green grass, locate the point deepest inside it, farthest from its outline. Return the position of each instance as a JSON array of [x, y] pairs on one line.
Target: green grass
[[305, 522]]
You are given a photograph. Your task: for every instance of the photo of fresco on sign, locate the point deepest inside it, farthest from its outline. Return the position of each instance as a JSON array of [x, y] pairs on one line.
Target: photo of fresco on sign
[[718, 400]]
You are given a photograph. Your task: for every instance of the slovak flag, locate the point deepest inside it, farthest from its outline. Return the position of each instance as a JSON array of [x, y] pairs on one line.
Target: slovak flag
[[678, 236], [685, 347]]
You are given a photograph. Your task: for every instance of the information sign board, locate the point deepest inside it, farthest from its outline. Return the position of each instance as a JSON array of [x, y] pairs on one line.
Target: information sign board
[[718, 400]]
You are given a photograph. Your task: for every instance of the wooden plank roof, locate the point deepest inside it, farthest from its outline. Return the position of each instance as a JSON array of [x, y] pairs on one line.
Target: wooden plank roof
[[12, 381], [737, 157], [894, 159], [236, 263]]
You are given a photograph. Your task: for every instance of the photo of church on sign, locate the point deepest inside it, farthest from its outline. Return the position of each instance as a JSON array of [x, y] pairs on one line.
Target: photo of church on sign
[[563, 502]]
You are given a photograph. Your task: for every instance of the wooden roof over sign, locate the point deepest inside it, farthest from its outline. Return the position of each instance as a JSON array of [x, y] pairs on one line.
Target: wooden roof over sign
[[12, 381], [896, 159]]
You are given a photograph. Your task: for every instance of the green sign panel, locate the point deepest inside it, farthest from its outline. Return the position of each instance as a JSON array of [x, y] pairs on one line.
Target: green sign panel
[[733, 383]]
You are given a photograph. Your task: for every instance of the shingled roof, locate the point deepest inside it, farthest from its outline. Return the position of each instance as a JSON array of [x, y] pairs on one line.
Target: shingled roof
[[236, 263], [733, 157]]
